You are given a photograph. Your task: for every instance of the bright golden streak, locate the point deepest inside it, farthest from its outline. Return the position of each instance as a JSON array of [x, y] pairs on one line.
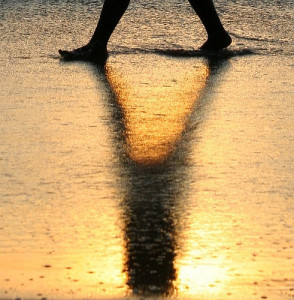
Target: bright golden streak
[[195, 279], [156, 105]]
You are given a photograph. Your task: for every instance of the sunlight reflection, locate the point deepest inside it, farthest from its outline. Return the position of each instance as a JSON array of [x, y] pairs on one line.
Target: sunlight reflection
[[195, 279], [156, 104]]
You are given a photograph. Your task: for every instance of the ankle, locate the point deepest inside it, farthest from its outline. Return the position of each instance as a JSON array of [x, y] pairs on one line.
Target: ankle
[[97, 44], [218, 34], [217, 41]]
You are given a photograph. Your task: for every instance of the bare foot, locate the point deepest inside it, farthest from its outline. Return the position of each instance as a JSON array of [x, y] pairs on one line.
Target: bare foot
[[93, 51], [217, 42]]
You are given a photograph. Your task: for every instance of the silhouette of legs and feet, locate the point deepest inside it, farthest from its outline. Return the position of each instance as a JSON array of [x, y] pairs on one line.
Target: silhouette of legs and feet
[[218, 38], [96, 49], [112, 12]]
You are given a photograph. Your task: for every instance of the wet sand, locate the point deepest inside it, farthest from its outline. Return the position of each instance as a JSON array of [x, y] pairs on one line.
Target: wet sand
[[157, 175], [165, 174]]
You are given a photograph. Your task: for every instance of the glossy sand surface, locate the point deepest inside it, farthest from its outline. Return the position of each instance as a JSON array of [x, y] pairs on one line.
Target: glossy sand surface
[[156, 175]]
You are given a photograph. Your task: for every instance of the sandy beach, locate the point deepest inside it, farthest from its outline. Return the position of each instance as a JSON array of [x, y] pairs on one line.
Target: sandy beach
[[154, 176]]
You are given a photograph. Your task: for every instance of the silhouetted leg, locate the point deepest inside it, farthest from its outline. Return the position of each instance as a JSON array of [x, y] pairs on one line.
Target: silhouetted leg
[[96, 49], [218, 38]]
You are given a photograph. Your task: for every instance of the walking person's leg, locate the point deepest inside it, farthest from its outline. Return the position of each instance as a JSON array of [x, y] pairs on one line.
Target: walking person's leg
[[111, 14], [218, 38]]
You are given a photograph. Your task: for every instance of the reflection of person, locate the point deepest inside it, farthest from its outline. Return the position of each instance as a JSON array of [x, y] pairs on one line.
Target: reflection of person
[[154, 195], [112, 12], [150, 231]]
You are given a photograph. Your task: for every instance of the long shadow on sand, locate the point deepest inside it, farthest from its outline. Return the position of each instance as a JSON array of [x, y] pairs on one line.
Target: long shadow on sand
[[154, 193]]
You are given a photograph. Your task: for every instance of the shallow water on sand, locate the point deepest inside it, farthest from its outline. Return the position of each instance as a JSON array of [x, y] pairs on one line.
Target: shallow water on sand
[[162, 174]]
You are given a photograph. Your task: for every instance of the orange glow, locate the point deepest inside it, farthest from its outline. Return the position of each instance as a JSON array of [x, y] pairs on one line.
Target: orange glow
[[156, 105], [205, 278]]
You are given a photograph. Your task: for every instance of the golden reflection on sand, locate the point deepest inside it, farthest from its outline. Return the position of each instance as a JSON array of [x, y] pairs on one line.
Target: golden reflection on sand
[[68, 269], [201, 278], [156, 104]]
